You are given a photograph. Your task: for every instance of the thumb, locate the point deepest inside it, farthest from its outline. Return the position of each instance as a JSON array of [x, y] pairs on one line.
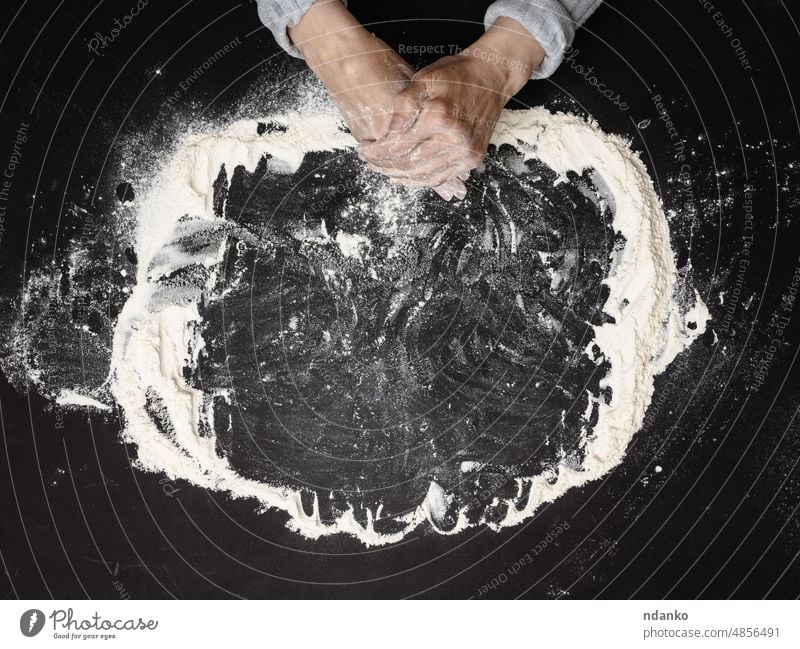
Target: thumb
[[407, 106]]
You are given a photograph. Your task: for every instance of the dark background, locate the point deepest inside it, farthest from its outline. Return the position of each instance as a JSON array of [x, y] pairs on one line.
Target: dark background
[[719, 520]]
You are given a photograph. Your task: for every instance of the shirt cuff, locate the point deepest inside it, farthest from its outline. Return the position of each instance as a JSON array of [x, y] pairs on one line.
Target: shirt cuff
[[551, 22], [281, 15]]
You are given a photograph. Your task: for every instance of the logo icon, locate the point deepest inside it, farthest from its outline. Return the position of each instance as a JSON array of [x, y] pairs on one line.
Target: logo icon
[[31, 622]]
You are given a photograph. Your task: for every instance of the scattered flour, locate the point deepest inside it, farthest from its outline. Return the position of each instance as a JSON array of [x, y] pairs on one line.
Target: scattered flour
[[72, 398], [351, 245]]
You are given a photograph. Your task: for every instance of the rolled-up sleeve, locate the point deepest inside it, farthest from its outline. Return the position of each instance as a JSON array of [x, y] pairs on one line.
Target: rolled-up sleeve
[[281, 15], [551, 22]]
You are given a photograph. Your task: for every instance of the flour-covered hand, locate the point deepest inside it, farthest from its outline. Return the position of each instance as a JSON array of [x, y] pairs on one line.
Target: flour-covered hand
[[362, 73], [443, 121]]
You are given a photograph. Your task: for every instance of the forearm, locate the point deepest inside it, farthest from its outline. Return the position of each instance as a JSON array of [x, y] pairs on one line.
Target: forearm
[[279, 16], [360, 71], [509, 55], [551, 22], [328, 34]]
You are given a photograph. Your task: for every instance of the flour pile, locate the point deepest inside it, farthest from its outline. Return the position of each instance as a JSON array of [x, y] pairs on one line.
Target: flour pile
[[159, 336]]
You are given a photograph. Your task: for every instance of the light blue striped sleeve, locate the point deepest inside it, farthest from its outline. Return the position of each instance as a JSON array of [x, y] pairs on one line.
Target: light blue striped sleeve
[[281, 15], [551, 22]]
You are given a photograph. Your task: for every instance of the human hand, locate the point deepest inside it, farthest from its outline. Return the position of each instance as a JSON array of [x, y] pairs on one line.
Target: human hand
[[443, 121], [361, 72]]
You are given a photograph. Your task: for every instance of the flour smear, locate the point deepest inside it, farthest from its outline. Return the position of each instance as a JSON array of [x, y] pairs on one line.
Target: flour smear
[[158, 334]]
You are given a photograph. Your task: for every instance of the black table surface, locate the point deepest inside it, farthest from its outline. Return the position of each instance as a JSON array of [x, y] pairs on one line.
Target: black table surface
[[719, 520]]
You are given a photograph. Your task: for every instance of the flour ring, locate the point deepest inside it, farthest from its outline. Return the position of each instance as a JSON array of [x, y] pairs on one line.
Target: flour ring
[[158, 333]]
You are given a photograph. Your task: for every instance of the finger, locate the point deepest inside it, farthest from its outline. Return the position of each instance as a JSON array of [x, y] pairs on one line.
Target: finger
[[418, 159], [444, 192], [460, 191], [433, 180], [433, 122], [393, 146], [431, 160], [452, 188], [453, 161], [407, 106]]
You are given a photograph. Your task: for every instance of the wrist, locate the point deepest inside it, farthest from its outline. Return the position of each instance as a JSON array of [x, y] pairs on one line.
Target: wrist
[[508, 53], [328, 33]]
